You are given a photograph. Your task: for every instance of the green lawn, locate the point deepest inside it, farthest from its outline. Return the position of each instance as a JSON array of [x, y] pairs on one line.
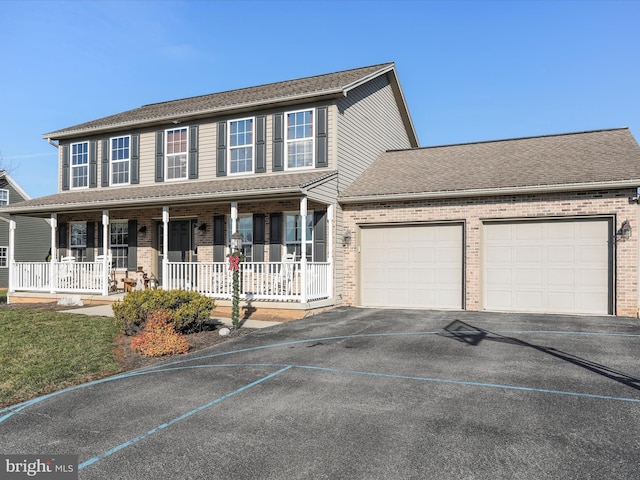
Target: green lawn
[[43, 351]]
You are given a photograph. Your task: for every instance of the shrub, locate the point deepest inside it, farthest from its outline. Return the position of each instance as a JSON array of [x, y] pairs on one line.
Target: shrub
[[189, 310], [159, 337]]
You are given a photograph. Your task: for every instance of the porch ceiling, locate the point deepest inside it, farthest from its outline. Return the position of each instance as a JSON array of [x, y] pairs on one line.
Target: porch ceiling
[[182, 192]]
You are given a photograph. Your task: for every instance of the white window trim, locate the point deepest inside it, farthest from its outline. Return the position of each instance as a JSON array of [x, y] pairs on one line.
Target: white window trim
[[72, 166], [229, 232], [166, 155], [3, 190], [125, 222], [253, 145], [4, 250], [77, 247], [284, 234], [313, 139], [112, 161]]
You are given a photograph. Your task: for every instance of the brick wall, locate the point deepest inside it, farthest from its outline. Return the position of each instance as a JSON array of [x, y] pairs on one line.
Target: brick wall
[[473, 211]]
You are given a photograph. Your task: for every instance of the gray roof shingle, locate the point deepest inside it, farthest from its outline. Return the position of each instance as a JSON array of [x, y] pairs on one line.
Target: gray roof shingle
[[172, 192], [574, 160], [320, 85]]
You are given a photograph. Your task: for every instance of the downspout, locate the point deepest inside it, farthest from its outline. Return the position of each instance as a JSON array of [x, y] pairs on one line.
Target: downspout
[[52, 143]]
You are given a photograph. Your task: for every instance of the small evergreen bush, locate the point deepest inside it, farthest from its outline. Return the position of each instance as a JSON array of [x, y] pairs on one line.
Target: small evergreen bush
[[189, 310]]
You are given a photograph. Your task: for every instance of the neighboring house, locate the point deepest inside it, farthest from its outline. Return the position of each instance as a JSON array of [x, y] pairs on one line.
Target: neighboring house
[[540, 224], [34, 237], [165, 185]]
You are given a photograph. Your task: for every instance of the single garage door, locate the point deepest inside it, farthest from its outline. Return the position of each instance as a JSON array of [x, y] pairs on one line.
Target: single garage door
[[548, 266], [411, 266]]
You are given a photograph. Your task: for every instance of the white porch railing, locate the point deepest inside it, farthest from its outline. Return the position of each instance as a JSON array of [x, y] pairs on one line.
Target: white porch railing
[[59, 276], [258, 280]]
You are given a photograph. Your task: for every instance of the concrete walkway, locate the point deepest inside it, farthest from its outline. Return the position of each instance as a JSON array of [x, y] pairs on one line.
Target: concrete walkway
[[107, 311]]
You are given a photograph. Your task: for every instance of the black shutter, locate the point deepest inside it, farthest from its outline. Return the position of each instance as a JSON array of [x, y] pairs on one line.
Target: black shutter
[[62, 239], [132, 259], [65, 167], [221, 157], [160, 156], [91, 241], [105, 163], [261, 146], [319, 236], [258, 237], [218, 238], [193, 152], [93, 164], [275, 237], [134, 174], [99, 228], [321, 138], [278, 142]]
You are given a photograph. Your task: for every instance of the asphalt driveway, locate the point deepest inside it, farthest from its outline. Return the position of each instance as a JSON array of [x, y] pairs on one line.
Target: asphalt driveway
[[363, 394]]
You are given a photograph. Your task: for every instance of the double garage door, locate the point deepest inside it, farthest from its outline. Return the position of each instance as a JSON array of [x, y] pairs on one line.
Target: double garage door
[[530, 266]]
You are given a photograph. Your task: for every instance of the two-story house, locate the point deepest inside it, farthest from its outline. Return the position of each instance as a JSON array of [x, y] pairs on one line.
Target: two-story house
[[33, 238], [163, 187]]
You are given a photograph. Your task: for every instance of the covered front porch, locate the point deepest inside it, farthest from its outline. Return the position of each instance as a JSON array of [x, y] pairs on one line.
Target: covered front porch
[[183, 243]]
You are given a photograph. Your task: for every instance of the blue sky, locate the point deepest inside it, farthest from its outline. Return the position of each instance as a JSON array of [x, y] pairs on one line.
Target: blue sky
[[470, 70]]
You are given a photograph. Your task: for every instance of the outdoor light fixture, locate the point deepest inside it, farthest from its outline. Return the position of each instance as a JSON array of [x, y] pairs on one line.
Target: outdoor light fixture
[[236, 242], [346, 237], [142, 230], [625, 231], [202, 229]]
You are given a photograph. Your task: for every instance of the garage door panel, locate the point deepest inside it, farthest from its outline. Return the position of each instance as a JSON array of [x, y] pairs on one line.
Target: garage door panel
[[416, 266], [571, 260], [528, 255]]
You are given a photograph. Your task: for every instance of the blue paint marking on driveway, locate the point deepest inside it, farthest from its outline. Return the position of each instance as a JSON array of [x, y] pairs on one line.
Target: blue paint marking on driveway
[[12, 410], [177, 419]]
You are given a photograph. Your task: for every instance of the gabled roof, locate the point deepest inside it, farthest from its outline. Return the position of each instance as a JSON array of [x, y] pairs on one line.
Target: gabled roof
[[572, 161], [174, 193], [287, 92], [23, 193]]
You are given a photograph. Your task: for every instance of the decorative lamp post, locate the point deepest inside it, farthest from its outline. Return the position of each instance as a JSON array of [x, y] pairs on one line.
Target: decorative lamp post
[[234, 265]]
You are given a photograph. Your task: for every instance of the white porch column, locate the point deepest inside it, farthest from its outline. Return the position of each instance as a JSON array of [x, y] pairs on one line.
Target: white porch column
[[54, 251], [105, 251], [234, 217], [303, 249], [165, 248], [12, 247]]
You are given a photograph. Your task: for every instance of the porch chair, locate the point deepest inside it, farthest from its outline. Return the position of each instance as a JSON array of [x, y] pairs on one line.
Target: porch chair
[[285, 274]]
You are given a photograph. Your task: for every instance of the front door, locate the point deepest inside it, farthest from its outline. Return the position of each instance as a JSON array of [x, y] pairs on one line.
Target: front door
[[179, 242]]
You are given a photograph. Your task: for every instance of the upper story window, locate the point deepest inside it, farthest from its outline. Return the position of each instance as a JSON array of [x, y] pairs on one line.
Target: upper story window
[[4, 196], [299, 139], [80, 165], [120, 160], [241, 146], [176, 156]]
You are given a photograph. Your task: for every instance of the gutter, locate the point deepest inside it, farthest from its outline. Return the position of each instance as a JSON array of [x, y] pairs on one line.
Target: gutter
[[485, 192], [52, 143]]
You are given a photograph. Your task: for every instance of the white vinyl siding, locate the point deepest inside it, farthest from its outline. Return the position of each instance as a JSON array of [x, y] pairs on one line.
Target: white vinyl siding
[[411, 266], [547, 266]]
